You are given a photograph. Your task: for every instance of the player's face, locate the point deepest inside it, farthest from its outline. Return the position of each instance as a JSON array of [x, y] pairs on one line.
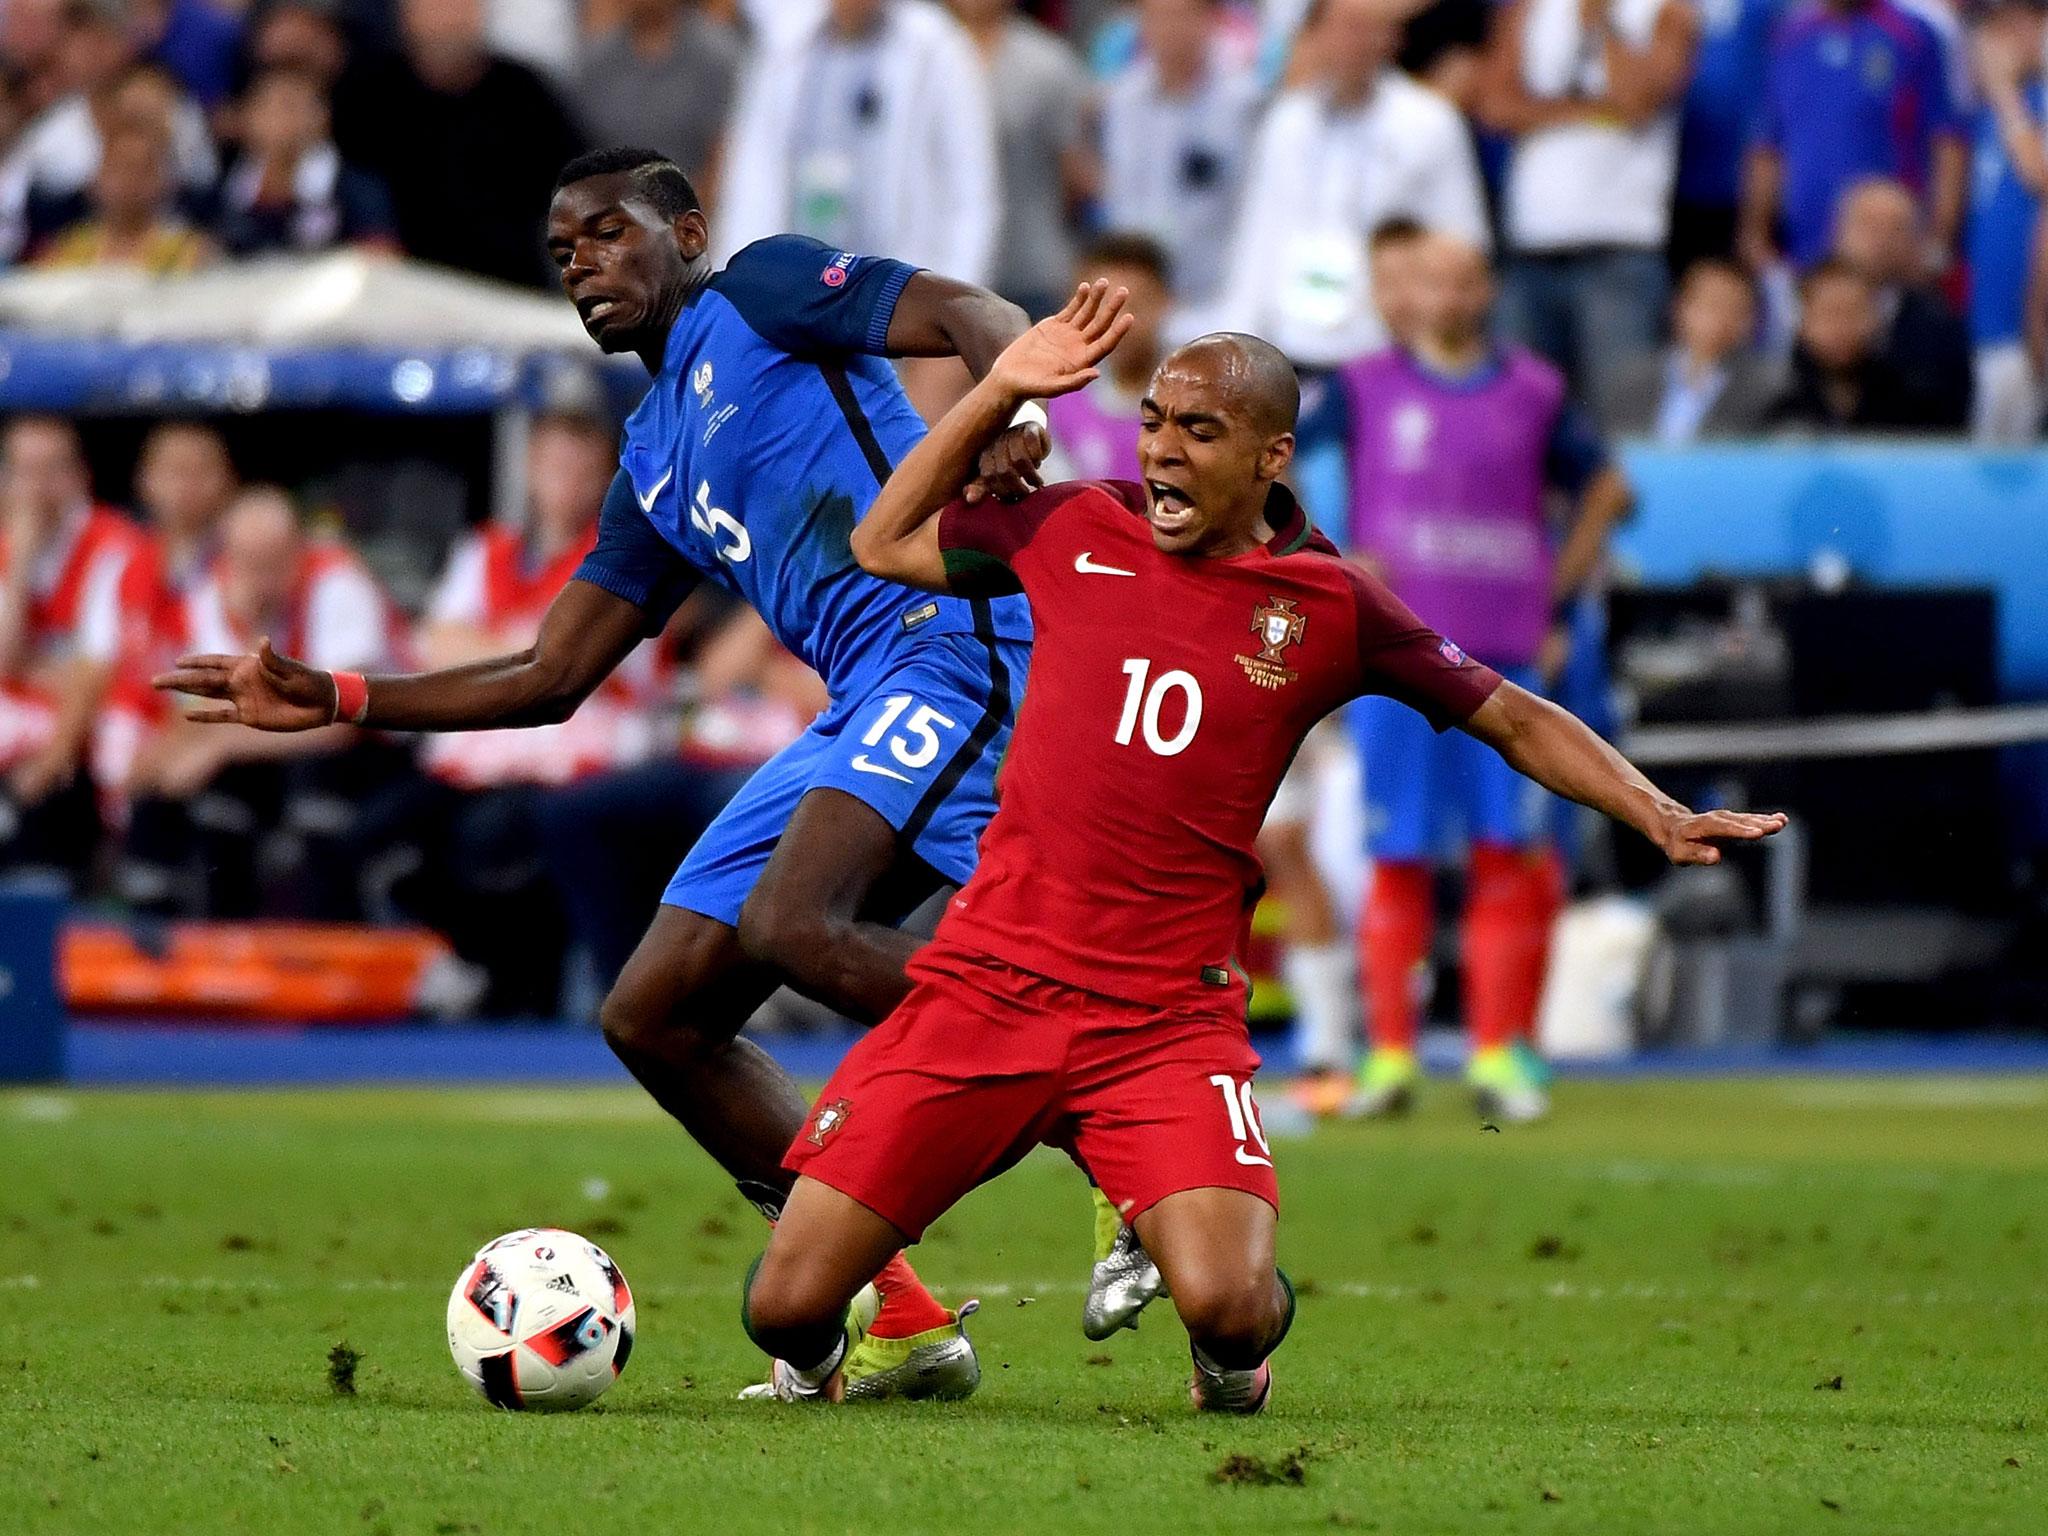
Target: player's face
[[1207, 465], [620, 261]]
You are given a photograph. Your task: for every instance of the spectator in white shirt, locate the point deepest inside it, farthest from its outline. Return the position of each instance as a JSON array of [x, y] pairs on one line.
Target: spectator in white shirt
[[53, 163], [1589, 90], [1039, 93], [1177, 129], [870, 130], [1332, 162]]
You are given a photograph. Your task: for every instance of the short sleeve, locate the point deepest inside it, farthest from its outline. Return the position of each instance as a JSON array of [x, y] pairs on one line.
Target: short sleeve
[[805, 297], [348, 624], [634, 562], [1575, 453], [984, 543], [1404, 659]]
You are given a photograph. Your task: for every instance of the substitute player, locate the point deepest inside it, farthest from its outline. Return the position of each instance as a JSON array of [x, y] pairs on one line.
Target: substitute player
[[1082, 989], [1456, 447], [770, 424]]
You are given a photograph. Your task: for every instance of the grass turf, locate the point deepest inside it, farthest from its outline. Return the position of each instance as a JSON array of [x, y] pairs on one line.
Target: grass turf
[[1786, 1305]]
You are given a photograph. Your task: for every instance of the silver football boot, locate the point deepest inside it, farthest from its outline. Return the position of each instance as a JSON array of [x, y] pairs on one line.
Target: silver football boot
[[939, 1364], [1212, 1389], [1122, 1285]]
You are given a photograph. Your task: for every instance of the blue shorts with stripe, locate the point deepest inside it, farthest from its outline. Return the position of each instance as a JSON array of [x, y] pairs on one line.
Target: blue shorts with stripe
[[921, 745]]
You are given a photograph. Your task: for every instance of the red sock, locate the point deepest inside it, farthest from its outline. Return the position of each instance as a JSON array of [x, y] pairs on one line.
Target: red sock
[[907, 1307], [1511, 897], [1393, 942]]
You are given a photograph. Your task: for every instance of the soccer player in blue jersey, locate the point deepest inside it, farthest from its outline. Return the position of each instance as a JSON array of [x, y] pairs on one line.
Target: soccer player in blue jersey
[[771, 423]]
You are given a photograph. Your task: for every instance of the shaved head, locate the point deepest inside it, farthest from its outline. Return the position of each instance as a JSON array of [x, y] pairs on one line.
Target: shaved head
[[1253, 377]]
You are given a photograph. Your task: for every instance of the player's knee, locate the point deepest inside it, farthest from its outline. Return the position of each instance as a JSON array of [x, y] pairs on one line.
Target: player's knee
[[1233, 1316], [635, 1024]]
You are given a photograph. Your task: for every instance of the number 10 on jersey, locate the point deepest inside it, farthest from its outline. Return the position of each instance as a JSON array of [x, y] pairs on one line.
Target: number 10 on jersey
[[1143, 704]]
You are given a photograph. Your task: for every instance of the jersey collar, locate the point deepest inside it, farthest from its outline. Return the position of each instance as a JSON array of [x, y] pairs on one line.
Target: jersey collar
[[1291, 527]]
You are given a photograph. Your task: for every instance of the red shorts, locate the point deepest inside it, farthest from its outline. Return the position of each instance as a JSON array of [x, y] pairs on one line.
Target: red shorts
[[984, 1061]]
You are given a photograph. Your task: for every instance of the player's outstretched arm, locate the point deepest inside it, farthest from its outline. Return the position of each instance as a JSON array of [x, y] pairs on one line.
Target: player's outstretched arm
[[586, 633], [943, 317], [1564, 755], [899, 538]]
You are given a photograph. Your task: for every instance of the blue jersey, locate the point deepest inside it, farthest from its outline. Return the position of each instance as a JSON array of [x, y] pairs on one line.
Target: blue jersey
[[2000, 232], [762, 441], [1719, 115], [1850, 94]]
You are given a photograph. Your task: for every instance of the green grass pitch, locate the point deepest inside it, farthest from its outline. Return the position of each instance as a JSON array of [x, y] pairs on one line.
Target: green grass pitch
[[1789, 1305]]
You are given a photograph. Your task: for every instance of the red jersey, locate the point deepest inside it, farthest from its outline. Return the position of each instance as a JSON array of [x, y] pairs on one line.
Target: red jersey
[[1167, 696]]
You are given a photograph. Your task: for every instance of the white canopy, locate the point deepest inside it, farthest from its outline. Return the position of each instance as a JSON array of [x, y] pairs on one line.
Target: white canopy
[[340, 300]]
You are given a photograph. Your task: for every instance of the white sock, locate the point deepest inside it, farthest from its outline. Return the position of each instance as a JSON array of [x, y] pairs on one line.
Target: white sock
[[1323, 979], [815, 1378]]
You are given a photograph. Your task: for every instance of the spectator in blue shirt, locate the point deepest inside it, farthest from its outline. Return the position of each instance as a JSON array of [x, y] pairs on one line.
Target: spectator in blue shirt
[[1856, 88], [2006, 227], [1717, 124], [198, 42]]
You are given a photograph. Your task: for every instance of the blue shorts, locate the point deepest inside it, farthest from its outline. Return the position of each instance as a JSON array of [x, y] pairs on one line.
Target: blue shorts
[[921, 745], [1423, 791]]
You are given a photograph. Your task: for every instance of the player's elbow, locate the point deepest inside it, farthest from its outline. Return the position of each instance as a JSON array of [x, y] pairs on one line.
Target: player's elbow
[[556, 688]]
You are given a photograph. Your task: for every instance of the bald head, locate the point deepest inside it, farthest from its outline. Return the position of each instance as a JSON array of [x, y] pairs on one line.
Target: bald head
[[1252, 378]]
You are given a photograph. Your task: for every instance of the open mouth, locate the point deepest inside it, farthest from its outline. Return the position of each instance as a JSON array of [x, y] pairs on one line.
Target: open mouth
[[1172, 510], [596, 310]]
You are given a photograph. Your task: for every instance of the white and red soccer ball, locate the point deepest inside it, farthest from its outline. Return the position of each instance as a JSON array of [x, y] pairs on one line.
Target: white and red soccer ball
[[541, 1319]]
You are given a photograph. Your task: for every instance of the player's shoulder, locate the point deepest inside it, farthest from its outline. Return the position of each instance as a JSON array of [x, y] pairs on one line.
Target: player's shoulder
[[1524, 369], [781, 262]]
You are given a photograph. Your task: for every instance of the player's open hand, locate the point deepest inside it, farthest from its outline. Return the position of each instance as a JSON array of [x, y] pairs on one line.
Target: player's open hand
[[1058, 356], [266, 690], [1696, 838]]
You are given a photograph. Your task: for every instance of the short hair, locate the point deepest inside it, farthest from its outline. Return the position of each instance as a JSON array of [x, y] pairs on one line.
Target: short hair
[[655, 177], [1399, 230], [1269, 380], [1833, 266], [1127, 248], [1728, 267]]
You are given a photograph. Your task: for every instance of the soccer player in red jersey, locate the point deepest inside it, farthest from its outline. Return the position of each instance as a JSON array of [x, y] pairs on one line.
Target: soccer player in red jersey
[[1082, 989]]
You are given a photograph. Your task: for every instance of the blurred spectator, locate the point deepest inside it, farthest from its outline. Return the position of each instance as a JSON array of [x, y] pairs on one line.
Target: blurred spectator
[[1046, 165], [1444, 46], [1717, 124], [1332, 162], [1177, 129], [199, 43], [1921, 339], [468, 144], [1095, 430], [1711, 381], [544, 35], [459, 849], [31, 35], [1589, 90], [184, 483], [1839, 382], [2006, 227], [74, 599], [871, 129], [291, 190], [225, 816], [1856, 88], [131, 218], [664, 77], [53, 162]]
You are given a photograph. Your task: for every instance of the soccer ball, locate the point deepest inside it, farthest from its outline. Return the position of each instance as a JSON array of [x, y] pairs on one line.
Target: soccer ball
[[541, 1319]]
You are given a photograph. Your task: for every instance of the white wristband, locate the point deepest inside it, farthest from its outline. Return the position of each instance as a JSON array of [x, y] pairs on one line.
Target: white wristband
[[1032, 413]]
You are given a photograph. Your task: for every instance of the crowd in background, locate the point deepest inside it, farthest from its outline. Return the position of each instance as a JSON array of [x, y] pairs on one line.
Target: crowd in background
[[1711, 218]]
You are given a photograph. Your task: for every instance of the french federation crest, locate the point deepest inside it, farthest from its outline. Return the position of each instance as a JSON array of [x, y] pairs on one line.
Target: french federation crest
[[827, 1120], [1277, 623]]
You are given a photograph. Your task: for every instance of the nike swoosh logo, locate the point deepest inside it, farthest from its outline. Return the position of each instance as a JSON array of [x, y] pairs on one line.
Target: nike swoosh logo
[[1084, 562], [1252, 1161], [647, 501], [862, 765]]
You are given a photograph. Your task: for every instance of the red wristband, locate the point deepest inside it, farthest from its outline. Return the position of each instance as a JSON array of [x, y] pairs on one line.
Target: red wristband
[[351, 697]]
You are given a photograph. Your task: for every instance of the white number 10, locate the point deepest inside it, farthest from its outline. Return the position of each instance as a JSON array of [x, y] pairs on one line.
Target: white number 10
[[1152, 700]]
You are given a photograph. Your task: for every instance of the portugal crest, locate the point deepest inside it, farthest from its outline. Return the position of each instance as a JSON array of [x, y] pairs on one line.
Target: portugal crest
[[1277, 623], [827, 1120]]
